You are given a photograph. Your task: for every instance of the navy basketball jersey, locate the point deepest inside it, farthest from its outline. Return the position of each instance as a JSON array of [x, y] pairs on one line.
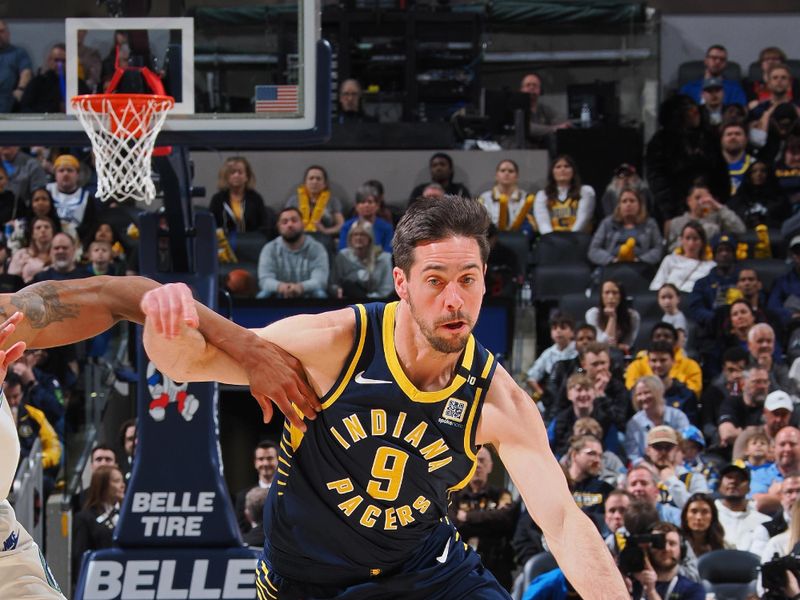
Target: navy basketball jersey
[[357, 494]]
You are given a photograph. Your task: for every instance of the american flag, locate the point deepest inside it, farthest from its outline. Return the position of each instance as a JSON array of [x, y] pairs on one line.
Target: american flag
[[276, 98]]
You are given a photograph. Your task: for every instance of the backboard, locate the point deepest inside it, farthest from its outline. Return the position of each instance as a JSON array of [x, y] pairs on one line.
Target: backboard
[[253, 76]]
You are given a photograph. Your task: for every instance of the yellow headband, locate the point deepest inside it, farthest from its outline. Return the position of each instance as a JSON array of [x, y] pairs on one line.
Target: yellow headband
[[67, 160]]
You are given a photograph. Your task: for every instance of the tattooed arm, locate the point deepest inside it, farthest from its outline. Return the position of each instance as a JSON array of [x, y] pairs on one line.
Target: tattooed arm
[[64, 312]]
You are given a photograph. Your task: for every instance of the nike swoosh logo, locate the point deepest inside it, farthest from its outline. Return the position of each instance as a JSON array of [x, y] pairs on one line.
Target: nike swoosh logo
[[366, 381], [443, 558]]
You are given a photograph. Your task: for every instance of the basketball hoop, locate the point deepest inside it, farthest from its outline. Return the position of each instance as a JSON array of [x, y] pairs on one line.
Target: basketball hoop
[[123, 129]]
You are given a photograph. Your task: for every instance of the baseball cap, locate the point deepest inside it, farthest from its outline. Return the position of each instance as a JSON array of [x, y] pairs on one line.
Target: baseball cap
[[662, 434], [693, 434], [712, 82], [723, 238], [735, 468], [777, 400]]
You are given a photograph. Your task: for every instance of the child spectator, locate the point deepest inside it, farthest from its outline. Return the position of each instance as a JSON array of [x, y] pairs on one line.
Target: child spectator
[[757, 460], [562, 332], [100, 259], [669, 300], [693, 445]]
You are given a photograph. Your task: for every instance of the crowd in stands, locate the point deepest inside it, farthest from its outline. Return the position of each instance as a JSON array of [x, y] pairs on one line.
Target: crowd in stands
[[682, 416]]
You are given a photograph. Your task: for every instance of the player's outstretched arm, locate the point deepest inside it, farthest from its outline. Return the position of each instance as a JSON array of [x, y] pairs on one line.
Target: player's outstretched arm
[[511, 421], [319, 344], [64, 312]]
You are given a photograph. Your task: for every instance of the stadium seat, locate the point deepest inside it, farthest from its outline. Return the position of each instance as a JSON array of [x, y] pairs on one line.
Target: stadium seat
[[576, 305], [643, 337], [695, 69], [635, 277], [536, 565], [562, 247], [550, 281], [754, 71], [646, 304], [729, 574], [247, 246], [519, 244], [768, 269], [519, 587]]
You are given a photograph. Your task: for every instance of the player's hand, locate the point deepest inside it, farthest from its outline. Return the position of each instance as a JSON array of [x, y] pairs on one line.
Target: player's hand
[[170, 308], [15, 351], [277, 376]]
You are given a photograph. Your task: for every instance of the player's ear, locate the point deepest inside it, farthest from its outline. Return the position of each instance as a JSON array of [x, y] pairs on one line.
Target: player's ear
[[400, 283]]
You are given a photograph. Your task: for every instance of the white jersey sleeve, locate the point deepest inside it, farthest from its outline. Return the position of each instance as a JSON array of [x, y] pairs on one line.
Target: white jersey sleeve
[[9, 448]]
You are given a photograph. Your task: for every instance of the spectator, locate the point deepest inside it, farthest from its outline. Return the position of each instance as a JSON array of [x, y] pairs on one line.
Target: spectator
[[389, 214], [441, 170], [669, 301], [613, 469], [555, 392], [661, 577], [237, 206], [688, 262], [265, 462], [584, 402], [508, 205], [75, 206], [44, 93], [684, 369], [628, 235], [41, 206], [625, 177], [751, 290], [711, 214], [351, 109], [741, 318], [8, 283], [543, 122], [765, 353], [722, 387], [127, 447], [562, 332], [485, 518], [319, 210], [564, 204], [715, 61], [293, 264], [700, 524], [9, 206], [738, 412], [432, 191], [617, 504], [789, 493], [662, 455], [102, 456], [63, 264], [17, 71], [734, 149], [712, 99], [362, 270], [781, 544], [24, 171], [368, 203], [784, 299], [711, 291], [692, 445], [779, 85], [616, 323], [756, 456], [758, 91], [90, 63], [41, 389], [100, 259], [651, 411], [759, 199], [787, 461], [33, 258], [584, 467], [683, 149], [778, 408], [642, 485], [93, 527], [787, 170], [770, 145], [254, 512], [738, 516]]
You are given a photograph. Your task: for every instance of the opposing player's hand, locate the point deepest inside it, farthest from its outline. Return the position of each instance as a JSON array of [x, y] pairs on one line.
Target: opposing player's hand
[[277, 376], [170, 307], [15, 351]]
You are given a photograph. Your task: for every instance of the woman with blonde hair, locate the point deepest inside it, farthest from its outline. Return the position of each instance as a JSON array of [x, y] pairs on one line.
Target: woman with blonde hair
[[508, 205], [362, 270], [647, 397], [237, 206]]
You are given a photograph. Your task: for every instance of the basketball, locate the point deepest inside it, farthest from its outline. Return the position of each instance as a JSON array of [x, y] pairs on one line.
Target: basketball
[[240, 282]]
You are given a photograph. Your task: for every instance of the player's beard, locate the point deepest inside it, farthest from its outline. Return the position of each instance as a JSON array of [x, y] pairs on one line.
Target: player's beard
[[441, 344]]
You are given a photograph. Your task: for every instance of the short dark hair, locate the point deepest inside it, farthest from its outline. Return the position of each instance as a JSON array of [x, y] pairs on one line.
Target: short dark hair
[[561, 319], [443, 155], [318, 168], [735, 354], [266, 445], [661, 346], [664, 325], [431, 221], [716, 47], [289, 209], [12, 379], [102, 447]]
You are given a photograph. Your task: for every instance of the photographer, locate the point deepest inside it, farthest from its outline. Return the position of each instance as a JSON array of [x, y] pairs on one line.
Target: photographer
[[659, 580]]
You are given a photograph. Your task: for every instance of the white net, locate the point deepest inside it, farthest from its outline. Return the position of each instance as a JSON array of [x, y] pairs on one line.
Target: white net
[[123, 131]]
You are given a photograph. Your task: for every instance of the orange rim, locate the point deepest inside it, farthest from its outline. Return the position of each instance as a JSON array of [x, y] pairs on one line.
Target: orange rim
[[101, 102]]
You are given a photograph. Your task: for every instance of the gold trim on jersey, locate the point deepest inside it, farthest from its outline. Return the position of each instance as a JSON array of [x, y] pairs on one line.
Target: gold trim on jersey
[[470, 421], [410, 390], [334, 395]]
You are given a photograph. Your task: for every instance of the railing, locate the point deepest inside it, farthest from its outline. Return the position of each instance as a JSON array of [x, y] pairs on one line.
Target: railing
[[26, 493]]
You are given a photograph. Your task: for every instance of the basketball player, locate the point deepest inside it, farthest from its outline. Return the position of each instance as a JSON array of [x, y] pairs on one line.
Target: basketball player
[[360, 506], [23, 571]]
